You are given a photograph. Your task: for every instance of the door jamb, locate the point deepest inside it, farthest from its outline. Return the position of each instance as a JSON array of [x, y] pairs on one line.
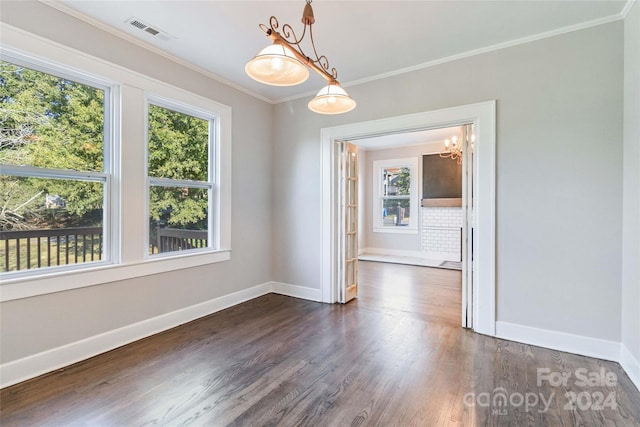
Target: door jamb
[[483, 117]]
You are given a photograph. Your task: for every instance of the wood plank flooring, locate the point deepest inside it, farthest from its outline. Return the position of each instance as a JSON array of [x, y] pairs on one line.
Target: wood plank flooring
[[400, 360], [430, 294]]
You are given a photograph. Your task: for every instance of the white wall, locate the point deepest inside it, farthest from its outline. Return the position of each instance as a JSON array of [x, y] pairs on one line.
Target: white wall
[[631, 185], [33, 325], [559, 101], [393, 241], [441, 232]]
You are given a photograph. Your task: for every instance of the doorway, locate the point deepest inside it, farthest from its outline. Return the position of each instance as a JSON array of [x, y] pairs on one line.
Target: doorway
[[409, 216], [412, 204], [479, 293]]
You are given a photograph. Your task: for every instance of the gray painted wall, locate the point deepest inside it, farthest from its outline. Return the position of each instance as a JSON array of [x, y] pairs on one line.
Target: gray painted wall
[[631, 211], [32, 325], [559, 193]]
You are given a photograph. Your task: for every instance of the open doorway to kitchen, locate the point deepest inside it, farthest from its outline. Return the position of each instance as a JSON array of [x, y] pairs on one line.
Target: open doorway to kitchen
[[478, 287], [411, 198], [409, 202]]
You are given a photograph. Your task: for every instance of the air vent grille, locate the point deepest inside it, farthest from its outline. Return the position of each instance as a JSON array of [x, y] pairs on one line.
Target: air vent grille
[[138, 24], [153, 31]]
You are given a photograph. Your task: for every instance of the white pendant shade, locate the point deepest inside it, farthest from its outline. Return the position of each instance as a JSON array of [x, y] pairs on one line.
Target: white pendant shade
[[284, 63], [276, 66], [332, 99]]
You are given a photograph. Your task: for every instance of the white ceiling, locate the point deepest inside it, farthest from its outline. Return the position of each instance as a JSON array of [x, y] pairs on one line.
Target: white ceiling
[[433, 137], [363, 40]]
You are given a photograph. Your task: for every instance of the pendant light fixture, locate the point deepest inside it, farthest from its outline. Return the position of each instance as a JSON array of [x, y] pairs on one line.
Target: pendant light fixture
[[284, 63]]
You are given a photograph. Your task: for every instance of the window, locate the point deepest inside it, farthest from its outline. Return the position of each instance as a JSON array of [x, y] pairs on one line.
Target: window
[[90, 199], [395, 200], [180, 176], [55, 177]]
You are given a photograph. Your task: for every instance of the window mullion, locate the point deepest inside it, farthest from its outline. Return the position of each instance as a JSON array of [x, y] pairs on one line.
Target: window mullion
[[34, 172], [397, 197], [168, 182]]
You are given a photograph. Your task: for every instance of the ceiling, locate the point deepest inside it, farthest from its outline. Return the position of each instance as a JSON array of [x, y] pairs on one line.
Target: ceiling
[[432, 137], [363, 40]]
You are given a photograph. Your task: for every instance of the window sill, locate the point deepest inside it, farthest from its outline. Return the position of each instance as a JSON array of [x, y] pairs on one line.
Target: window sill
[[47, 283], [396, 230]]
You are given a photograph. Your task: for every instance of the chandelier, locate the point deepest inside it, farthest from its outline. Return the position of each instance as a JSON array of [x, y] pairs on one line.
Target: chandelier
[[453, 150], [284, 63]]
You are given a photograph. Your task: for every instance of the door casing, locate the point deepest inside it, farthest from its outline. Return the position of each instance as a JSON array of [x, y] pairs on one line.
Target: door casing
[[483, 117]]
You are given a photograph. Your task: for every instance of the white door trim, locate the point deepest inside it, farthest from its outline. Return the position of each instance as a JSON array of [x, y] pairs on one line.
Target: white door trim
[[467, 229], [483, 117]]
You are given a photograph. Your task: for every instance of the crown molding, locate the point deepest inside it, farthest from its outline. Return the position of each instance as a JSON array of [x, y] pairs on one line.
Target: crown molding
[[627, 8], [498, 46], [55, 4]]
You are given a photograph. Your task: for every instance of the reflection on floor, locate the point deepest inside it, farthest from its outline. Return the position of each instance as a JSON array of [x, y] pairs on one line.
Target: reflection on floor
[[428, 294], [407, 260]]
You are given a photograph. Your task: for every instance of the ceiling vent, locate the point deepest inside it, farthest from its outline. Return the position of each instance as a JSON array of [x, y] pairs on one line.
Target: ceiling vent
[[153, 31]]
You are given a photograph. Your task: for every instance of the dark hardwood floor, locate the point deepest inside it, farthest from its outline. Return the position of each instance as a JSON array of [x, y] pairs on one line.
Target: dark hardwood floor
[[394, 357]]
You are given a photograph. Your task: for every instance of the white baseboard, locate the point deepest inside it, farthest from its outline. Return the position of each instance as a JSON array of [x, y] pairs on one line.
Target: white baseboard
[[562, 341], [445, 256], [571, 343], [37, 364], [442, 256], [296, 291], [393, 252], [630, 364]]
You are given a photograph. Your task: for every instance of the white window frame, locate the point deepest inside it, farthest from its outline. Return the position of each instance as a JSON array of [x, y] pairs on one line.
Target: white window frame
[[128, 183], [213, 202], [109, 205], [378, 165]]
